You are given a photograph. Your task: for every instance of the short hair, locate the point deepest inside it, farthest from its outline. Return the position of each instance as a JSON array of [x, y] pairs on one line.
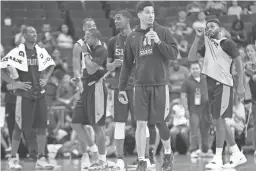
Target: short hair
[[194, 62], [125, 13], [213, 20], [95, 33], [25, 29], [142, 4], [86, 20]]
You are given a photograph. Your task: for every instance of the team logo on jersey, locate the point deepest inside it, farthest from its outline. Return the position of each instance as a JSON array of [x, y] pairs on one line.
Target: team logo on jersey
[[21, 53], [41, 55], [119, 52], [146, 48]]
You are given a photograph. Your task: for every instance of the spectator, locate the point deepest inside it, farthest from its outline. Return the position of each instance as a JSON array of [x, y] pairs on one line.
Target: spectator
[[60, 63], [176, 34], [182, 24], [46, 39], [225, 33], [251, 67], [194, 98], [110, 141], [243, 55], [235, 9], [179, 128], [253, 35], [183, 48], [194, 7], [238, 33], [253, 8], [216, 7], [177, 76], [200, 22], [246, 11], [64, 39], [18, 38]]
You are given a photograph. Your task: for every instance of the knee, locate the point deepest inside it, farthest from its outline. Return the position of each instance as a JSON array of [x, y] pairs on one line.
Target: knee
[[141, 124], [119, 131], [184, 131], [40, 131], [174, 131], [99, 130]]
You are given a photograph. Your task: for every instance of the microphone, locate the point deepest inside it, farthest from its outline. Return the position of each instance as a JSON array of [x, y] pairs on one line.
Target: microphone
[[150, 26]]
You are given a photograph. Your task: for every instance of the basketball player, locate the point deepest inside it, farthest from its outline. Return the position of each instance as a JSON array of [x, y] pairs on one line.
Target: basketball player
[[78, 66], [152, 47], [219, 53], [93, 89], [30, 93]]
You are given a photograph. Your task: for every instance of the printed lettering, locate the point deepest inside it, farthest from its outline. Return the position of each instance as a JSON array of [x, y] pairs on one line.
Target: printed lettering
[[119, 52], [32, 62]]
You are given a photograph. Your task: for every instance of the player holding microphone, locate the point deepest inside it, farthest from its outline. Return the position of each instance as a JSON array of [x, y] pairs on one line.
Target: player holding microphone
[[152, 50]]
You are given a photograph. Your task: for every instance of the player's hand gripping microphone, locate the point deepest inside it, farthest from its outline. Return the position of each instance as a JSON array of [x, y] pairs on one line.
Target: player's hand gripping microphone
[[122, 97]]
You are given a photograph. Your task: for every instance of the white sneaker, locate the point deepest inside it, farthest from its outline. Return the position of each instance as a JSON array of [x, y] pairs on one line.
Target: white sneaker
[[149, 164], [209, 153], [215, 164], [255, 154], [194, 154], [120, 165], [13, 163], [235, 160], [85, 161], [42, 163], [98, 165]]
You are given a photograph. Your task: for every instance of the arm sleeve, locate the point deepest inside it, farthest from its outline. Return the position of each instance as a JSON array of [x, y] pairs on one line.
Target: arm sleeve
[[169, 47], [229, 46], [127, 65], [111, 50], [201, 51], [100, 56]]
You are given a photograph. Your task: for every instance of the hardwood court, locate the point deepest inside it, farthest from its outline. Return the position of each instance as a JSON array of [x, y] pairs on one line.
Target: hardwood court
[[181, 163]]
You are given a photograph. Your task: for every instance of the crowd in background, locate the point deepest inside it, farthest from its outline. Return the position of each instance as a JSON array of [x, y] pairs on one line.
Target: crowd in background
[[60, 93]]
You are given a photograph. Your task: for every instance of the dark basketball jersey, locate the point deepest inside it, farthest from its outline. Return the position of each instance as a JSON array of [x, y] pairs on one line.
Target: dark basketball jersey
[[33, 76], [99, 55], [116, 47]]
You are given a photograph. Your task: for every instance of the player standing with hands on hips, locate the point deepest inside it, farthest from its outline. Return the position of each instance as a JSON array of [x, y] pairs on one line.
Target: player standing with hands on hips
[[152, 50], [219, 53]]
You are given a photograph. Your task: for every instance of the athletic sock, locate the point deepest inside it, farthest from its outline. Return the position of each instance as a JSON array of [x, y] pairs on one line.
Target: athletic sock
[[167, 151], [94, 148], [141, 158], [103, 158], [219, 152], [235, 149]]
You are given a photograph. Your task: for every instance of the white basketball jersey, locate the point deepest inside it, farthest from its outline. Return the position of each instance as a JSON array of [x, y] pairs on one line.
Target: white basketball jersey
[[217, 63]]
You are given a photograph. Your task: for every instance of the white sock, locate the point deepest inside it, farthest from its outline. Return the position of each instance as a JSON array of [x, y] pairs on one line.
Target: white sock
[[219, 152], [94, 148], [103, 158], [235, 149]]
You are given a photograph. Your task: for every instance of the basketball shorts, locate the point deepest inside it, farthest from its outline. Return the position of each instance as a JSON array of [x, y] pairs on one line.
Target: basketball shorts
[[220, 99], [91, 107], [151, 103], [121, 111], [31, 113]]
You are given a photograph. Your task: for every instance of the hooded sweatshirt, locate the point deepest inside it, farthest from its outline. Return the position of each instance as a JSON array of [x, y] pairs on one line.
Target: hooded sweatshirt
[[151, 59]]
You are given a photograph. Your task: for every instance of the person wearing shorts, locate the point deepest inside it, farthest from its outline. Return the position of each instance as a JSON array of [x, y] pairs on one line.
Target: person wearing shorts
[[152, 47], [219, 53], [91, 108], [30, 111]]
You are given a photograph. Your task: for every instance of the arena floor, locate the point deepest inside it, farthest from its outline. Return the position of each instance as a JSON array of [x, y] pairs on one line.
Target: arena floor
[[182, 163]]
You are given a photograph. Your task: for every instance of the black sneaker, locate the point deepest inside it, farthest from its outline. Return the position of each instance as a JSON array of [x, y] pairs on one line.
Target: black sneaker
[[142, 165], [168, 162]]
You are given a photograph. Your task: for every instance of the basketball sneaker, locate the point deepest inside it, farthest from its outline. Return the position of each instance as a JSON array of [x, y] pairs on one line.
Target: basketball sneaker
[[215, 164], [236, 159], [42, 163], [14, 162], [120, 165], [100, 165], [142, 165], [168, 162], [85, 161]]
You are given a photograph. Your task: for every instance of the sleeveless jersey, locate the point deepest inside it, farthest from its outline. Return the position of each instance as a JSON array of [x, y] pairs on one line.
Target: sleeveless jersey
[[33, 76], [217, 63]]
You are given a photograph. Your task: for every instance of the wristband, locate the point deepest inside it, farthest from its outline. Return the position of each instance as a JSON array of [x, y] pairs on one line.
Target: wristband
[[159, 42]]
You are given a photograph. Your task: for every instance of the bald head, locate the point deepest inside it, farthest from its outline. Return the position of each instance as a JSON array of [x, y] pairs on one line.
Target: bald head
[[30, 34]]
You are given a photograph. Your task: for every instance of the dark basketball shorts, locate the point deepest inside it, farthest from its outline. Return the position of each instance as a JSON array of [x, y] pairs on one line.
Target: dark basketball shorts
[[91, 107], [151, 103], [121, 111], [220, 99], [30, 113]]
